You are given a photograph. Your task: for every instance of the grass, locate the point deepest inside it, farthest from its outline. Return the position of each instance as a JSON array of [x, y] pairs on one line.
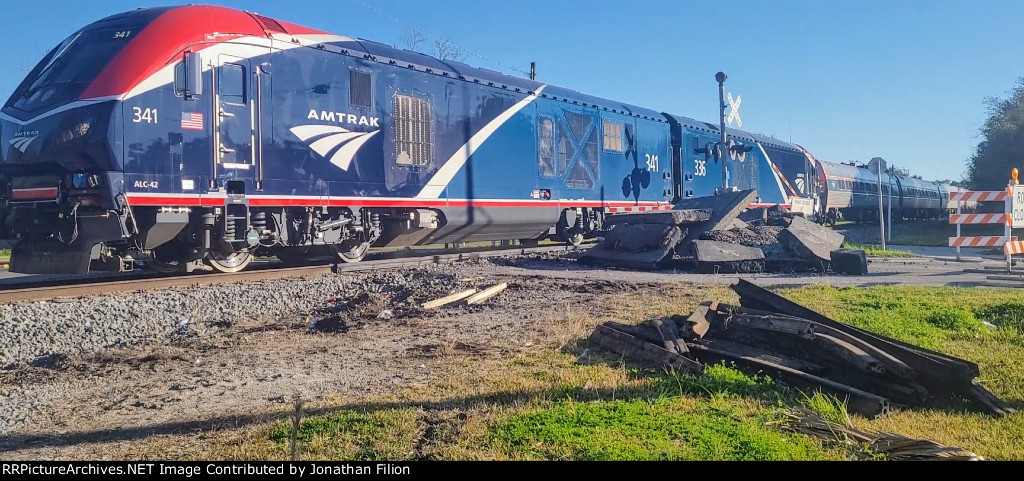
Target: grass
[[352, 435], [645, 430], [877, 251], [949, 320], [561, 398], [829, 407]]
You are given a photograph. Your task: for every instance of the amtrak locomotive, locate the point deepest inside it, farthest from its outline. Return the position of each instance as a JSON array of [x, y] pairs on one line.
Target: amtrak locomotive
[[202, 136]]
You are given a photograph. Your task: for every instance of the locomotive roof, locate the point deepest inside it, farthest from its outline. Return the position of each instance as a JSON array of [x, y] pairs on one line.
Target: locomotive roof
[[447, 68], [171, 29], [764, 139], [711, 128]]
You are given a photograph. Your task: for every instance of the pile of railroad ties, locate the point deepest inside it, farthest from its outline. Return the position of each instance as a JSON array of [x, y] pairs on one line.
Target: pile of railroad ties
[[773, 335], [719, 235]]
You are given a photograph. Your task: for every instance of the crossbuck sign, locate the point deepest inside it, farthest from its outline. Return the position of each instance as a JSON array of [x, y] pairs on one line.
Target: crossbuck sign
[[734, 110]]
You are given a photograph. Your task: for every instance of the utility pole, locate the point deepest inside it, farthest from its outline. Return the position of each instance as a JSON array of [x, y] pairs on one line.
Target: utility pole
[[722, 147], [888, 229], [876, 166]]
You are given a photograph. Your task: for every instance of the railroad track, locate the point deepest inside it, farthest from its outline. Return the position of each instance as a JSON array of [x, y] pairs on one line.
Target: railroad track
[[70, 288]]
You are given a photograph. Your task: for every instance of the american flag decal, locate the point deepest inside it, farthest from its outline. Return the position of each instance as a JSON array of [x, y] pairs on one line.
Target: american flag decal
[[192, 120]]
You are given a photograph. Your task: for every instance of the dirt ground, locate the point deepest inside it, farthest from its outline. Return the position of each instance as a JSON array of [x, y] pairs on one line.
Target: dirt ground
[[103, 405]]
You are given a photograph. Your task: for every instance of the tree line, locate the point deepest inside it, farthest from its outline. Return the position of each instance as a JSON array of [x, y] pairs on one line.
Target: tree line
[[1002, 145]]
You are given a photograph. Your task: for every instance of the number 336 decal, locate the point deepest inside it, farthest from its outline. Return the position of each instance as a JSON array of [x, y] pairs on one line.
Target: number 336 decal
[[700, 168]]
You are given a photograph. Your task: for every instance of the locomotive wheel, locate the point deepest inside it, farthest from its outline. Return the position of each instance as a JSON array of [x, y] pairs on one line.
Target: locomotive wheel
[[222, 260], [350, 251], [575, 239], [164, 267]]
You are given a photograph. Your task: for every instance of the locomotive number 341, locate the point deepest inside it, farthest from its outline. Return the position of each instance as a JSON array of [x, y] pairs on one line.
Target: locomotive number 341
[[140, 115], [652, 162]]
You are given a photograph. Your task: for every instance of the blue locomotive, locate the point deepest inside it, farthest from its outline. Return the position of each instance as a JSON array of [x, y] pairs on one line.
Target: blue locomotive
[[201, 135]]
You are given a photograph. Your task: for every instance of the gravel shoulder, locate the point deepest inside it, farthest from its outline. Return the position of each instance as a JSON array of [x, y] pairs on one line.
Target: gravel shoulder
[[87, 377]]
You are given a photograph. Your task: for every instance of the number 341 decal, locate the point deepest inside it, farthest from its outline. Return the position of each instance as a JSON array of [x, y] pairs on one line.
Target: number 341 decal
[[652, 162], [141, 115]]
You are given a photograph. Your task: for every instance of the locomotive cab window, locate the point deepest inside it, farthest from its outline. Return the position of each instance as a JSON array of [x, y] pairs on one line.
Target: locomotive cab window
[[360, 89], [612, 136], [231, 84], [412, 128]]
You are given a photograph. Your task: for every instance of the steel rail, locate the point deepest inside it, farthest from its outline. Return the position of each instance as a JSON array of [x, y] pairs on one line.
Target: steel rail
[[106, 285]]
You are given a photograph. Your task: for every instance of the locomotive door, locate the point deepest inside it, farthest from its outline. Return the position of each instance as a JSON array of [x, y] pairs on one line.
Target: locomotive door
[[234, 121]]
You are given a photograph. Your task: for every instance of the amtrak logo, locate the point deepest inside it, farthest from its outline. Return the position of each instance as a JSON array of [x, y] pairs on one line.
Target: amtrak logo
[[343, 118], [22, 139], [337, 144]]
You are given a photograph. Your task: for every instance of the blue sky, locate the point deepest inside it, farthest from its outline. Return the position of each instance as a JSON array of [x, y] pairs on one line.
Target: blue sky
[[848, 79]]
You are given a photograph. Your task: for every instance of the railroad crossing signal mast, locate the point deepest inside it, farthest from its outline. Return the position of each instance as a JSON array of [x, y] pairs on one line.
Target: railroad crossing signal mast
[[720, 77]]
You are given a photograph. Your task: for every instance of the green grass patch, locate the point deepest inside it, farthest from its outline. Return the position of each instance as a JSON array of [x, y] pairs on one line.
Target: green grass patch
[[580, 403], [877, 251], [955, 319], [642, 430], [728, 421], [720, 379], [829, 407], [1009, 314], [926, 316], [352, 435]]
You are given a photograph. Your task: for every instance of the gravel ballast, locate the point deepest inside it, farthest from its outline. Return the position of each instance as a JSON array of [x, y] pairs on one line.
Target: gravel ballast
[[41, 333]]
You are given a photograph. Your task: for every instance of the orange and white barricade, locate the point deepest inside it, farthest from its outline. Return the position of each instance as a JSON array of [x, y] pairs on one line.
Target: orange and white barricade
[[1009, 242]]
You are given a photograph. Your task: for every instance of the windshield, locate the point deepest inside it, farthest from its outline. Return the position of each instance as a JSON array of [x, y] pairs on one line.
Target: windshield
[[68, 69]]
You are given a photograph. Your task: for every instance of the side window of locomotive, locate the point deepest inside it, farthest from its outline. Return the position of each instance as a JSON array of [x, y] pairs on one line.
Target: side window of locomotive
[[546, 146], [583, 170], [231, 86], [412, 126], [360, 89], [179, 79], [612, 136]]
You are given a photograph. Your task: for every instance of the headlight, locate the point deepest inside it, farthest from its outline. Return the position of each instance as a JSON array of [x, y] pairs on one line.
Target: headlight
[[80, 180], [83, 180]]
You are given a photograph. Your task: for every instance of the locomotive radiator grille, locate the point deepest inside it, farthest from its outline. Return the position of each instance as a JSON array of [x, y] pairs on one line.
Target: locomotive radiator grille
[[413, 145]]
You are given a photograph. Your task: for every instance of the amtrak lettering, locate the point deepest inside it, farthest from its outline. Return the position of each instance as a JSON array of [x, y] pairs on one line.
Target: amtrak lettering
[[343, 118], [323, 139], [23, 138]]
